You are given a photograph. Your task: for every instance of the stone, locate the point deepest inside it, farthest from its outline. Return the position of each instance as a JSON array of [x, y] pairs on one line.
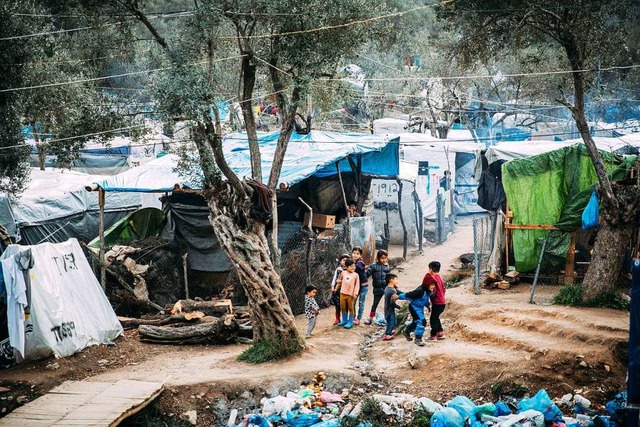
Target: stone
[[415, 361], [103, 362], [53, 366], [22, 400], [190, 416], [583, 364], [607, 368]]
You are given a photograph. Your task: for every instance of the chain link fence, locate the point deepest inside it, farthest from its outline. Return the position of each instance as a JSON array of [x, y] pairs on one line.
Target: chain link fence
[[483, 239], [307, 259], [438, 229]]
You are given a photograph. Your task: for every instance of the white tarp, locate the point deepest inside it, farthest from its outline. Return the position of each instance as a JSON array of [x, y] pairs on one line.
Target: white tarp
[[69, 310], [512, 150]]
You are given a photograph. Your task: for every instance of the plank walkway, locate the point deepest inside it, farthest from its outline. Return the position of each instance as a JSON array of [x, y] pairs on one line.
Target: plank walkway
[[83, 403]]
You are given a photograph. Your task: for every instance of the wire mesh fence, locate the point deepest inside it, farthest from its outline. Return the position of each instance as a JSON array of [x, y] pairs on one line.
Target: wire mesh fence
[[483, 238], [439, 228]]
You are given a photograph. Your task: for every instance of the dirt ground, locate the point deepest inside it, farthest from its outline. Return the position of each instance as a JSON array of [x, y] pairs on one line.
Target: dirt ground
[[496, 343]]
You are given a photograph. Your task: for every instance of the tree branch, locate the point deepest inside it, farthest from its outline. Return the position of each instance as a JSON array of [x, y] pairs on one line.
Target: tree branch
[[139, 14]]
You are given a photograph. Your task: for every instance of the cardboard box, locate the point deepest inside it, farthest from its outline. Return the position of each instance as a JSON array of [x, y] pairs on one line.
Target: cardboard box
[[320, 220]]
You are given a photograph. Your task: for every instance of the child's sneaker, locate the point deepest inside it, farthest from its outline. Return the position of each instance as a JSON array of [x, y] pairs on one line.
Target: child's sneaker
[[336, 322], [433, 338], [419, 342], [441, 335], [406, 334], [388, 338], [367, 322], [356, 322]]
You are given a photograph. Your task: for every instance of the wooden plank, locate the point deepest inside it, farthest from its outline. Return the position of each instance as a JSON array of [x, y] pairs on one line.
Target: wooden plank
[[569, 268], [530, 227], [83, 403]]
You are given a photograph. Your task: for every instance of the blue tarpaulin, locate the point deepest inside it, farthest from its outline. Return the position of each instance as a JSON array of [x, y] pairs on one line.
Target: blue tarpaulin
[[313, 154]]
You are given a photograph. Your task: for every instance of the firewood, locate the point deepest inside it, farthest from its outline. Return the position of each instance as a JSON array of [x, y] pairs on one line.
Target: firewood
[[130, 323], [209, 308], [224, 330]]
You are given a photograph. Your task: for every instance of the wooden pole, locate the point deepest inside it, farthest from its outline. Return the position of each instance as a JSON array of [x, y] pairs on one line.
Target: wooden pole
[[507, 221], [569, 268], [186, 275], [346, 206], [103, 266]]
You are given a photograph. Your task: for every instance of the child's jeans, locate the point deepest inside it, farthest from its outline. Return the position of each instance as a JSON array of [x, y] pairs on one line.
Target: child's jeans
[[310, 326], [361, 300], [391, 323]]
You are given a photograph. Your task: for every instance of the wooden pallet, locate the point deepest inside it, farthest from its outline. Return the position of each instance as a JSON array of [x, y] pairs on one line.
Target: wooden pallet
[[84, 403]]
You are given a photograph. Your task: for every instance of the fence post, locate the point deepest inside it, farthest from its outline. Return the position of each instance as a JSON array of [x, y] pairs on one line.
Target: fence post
[[476, 261], [439, 225]]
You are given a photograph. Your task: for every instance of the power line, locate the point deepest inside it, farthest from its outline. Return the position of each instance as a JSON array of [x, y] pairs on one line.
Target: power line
[[46, 33], [134, 73]]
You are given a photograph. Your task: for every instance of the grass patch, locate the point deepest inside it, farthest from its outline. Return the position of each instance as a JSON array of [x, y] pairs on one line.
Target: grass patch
[[572, 296], [420, 418], [455, 279], [271, 349]]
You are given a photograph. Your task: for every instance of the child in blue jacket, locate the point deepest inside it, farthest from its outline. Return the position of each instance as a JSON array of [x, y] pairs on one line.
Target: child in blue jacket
[[418, 301]]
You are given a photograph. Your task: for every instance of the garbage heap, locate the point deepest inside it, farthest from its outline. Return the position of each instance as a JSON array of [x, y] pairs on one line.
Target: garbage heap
[[311, 405]]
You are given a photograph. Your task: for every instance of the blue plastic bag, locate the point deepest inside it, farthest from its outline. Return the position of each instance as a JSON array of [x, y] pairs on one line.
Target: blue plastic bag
[[258, 420], [464, 406], [541, 403], [501, 409], [296, 419], [591, 214], [447, 417]]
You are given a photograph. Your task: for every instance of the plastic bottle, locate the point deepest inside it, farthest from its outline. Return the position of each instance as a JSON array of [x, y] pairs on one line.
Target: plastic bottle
[[582, 401]]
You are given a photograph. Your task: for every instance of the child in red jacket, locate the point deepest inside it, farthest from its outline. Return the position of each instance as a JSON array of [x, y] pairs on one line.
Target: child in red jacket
[[438, 300]]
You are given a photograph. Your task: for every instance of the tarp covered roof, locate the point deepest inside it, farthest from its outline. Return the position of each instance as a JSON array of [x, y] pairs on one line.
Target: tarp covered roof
[[416, 142], [313, 154], [522, 149]]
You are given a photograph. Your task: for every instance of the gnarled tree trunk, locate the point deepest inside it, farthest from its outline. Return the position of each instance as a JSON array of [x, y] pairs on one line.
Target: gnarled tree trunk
[[244, 241]]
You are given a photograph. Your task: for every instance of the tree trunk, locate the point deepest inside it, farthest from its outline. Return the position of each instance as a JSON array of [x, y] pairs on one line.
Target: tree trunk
[[247, 248], [222, 331], [606, 263]]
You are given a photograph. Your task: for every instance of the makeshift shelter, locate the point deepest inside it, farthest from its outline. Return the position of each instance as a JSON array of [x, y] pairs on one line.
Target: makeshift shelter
[[444, 167], [320, 170], [55, 207], [54, 303], [546, 195]]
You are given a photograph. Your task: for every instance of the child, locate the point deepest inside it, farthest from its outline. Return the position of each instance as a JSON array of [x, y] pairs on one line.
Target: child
[[349, 283], [361, 269], [378, 272], [390, 305], [418, 301], [311, 308], [335, 289], [438, 300]]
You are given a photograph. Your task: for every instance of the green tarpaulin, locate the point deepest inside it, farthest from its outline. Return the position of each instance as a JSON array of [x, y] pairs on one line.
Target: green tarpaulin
[[141, 224], [552, 188]]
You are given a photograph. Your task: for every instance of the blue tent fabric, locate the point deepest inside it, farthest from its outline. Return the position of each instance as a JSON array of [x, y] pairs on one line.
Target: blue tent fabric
[[313, 154]]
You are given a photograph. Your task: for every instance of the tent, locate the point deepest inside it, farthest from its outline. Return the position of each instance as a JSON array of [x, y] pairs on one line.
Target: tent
[[66, 310], [55, 207], [312, 154], [553, 188]]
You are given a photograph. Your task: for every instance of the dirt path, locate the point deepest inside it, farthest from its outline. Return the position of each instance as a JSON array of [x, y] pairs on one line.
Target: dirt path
[[494, 339]]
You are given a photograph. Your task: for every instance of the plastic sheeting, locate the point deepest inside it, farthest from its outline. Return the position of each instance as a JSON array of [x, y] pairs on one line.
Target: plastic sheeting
[[55, 206], [314, 154], [141, 224], [552, 188], [69, 310], [519, 150]]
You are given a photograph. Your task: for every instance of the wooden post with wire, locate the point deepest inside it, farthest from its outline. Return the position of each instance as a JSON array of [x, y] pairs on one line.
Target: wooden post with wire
[[103, 265]]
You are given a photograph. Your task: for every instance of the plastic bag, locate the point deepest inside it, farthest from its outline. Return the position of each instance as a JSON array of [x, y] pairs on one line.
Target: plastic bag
[[501, 409], [298, 419], [277, 405], [258, 421], [487, 408], [541, 403], [429, 405], [465, 407], [591, 213], [380, 320], [447, 417], [328, 397]]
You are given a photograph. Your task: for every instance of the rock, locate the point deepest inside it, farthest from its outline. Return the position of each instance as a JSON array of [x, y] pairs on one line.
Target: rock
[[406, 382], [583, 364], [190, 416], [579, 357], [415, 361], [4, 389], [53, 366], [607, 368], [22, 400], [102, 362], [547, 367], [4, 411]]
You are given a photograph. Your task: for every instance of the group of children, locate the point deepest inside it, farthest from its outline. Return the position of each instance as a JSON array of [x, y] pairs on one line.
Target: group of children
[[351, 284]]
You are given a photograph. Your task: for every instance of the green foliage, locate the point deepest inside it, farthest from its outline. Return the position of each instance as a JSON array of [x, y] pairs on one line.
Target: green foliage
[[572, 295], [420, 418], [270, 349], [373, 414], [507, 388]]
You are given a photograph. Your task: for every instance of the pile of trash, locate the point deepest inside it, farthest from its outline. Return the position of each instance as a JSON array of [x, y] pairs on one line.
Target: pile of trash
[[311, 405]]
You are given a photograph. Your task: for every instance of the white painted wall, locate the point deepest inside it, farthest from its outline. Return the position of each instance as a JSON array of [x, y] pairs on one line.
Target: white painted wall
[[385, 193]]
